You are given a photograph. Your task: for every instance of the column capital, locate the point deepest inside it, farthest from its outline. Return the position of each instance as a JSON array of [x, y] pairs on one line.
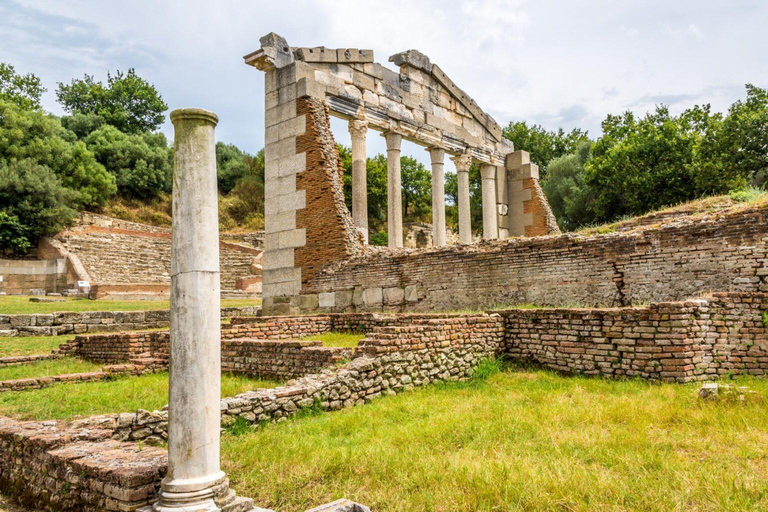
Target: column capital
[[436, 154], [358, 127], [462, 162], [394, 140], [488, 171]]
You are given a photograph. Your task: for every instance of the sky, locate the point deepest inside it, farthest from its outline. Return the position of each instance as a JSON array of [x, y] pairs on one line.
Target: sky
[[556, 63]]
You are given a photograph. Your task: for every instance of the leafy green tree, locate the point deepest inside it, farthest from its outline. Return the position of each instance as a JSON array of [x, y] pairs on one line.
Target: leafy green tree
[[81, 124], [568, 194], [232, 164], [23, 90], [31, 134], [417, 190], [743, 140], [33, 203], [127, 102], [14, 236], [543, 145], [141, 163]]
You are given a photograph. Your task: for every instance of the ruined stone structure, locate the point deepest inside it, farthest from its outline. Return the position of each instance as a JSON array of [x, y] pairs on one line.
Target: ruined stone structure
[[307, 223]]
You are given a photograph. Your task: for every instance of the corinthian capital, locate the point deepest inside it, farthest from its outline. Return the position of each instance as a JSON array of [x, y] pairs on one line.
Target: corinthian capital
[[358, 127], [462, 162]]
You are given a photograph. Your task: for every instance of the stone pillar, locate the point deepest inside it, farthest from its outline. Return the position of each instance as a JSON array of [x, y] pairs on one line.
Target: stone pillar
[[490, 217], [357, 130], [195, 368], [394, 191], [437, 156], [463, 163]]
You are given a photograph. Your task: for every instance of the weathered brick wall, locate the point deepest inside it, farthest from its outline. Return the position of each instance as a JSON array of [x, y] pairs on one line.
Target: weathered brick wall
[[68, 322], [718, 252], [677, 341], [52, 466], [543, 220]]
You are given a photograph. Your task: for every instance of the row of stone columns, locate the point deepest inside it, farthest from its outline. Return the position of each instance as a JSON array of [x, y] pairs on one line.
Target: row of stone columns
[[358, 129]]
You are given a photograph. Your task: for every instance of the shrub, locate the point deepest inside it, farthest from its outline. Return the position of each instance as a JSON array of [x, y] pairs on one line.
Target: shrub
[[14, 236]]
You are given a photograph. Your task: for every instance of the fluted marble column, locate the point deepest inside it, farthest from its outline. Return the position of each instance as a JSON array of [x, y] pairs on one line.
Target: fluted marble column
[[357, 130], [462, 163], [437, 156], [394, 191], [490, 218], [195, 367]]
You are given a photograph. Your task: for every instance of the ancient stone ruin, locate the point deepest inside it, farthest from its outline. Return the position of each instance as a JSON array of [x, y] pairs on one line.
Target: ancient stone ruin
[[307, 223]]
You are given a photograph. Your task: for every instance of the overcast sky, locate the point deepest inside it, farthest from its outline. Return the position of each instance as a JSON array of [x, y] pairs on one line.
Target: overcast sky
[[557, 63]]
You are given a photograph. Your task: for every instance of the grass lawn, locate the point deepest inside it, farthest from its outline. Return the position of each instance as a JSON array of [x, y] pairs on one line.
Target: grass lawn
[[28, 345], [20, 304], [124, 394], [527, 440], [337, 338], [48, 368]]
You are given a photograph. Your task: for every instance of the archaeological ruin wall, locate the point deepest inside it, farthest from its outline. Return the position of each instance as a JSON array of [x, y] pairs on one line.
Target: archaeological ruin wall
[[308, 225], [680, 260]]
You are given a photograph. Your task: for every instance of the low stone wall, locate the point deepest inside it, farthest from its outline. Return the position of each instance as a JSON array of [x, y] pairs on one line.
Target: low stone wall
[[67, 322], [680, 341], [272, 359], [19, 360], [50, 465], [107, 372], [713, 252], [20, 277]]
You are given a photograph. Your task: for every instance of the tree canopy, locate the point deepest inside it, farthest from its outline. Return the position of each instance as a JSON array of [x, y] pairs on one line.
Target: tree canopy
[[24, 91], [127, 101], [543, 145]]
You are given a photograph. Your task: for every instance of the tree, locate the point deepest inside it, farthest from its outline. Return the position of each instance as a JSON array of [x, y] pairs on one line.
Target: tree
[[743, 141], [543, 145], [31, 134], [569, 195], [232, 164], [127, 102], [417, 190], [81, 124], [33, 203], [141, 163], [22, 90]]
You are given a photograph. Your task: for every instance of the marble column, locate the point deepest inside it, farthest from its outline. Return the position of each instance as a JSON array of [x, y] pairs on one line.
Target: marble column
[[394, 191], [357, 130], [195, 363], [490, 215], [462, 163], [437, 156]]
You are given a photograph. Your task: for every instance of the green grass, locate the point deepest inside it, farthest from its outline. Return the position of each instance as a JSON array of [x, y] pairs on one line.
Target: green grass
[[123, 394], [28, 345], [528, 440], [20, 304], [48, 368], [337, 338]]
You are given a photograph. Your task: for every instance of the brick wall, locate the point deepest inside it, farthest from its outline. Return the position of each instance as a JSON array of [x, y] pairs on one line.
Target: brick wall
[[543, 221], [677, 341], [19, 277], [716, 252]]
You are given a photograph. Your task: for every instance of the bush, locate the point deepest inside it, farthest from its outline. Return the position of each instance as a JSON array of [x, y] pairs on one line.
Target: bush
[[140, 163], [31, 134], [381, 239], [33, 202]]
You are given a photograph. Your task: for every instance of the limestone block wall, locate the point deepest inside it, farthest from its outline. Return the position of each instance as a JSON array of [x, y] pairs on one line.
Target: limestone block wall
[[20, 277], [116, 252], [68, 322], [716, 252]]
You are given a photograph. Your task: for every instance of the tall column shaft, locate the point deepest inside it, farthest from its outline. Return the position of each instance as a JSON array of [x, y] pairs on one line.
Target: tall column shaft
[[195, 363], [463, 163], [394, 191], [357, 130], [490, 215], [437, 156]]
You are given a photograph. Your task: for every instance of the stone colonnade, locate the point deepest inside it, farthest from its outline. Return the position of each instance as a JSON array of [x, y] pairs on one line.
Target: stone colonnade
[[493, 180]]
